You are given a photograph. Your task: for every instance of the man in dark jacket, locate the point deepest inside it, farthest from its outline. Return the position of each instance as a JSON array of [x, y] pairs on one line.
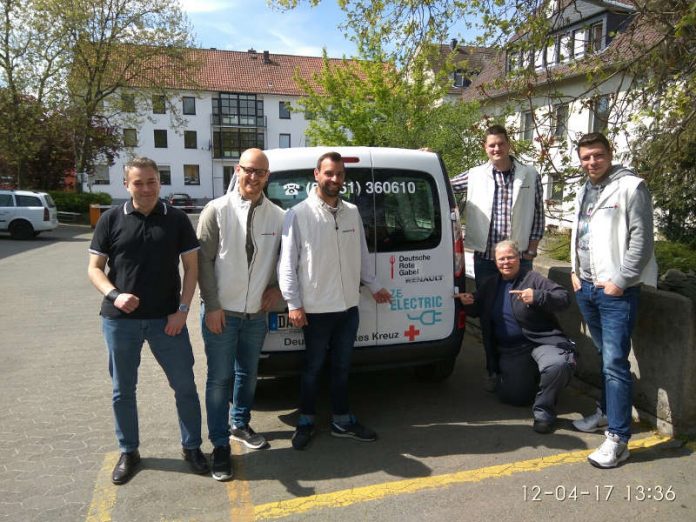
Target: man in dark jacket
[[525, 346]]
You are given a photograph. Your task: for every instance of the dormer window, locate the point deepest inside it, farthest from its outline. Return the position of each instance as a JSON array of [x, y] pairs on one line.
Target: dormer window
[[595, 38], [459, 79]]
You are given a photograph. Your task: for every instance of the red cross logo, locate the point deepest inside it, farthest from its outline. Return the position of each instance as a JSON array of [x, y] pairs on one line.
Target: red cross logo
[[411, 333]]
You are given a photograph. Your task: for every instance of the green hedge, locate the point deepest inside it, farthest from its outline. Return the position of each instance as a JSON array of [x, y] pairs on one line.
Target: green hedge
[[669, 254], [73, 202]]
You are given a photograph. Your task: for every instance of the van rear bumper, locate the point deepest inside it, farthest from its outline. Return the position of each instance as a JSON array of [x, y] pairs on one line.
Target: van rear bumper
[[371, 357]]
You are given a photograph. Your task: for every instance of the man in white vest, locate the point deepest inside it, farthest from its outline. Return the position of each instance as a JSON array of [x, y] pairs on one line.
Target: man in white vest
[[324, 259], [505, 200], [239, 235], [611, 255]]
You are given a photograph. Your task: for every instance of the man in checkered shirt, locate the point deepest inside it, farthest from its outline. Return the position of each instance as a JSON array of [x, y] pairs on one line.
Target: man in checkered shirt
[[504, 201]]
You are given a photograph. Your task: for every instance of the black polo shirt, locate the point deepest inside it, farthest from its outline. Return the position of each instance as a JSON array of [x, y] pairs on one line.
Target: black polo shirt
[[143, 254]]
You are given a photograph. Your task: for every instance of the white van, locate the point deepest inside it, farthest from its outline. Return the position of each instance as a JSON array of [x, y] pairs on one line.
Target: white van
[[412, 229]]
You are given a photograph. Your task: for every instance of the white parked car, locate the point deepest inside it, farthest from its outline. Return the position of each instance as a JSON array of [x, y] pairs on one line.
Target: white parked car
[[24, 214], [412, 229]]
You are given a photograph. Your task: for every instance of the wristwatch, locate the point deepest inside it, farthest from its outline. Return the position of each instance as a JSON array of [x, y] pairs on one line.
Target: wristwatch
[[531, 253], [183, 307]]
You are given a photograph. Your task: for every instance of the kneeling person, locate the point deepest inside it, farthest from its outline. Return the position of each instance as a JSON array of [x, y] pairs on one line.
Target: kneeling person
[[524, 343]]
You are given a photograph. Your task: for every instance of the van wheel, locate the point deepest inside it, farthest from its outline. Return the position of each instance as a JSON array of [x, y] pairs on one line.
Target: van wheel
[[21, 230], [437, 371]]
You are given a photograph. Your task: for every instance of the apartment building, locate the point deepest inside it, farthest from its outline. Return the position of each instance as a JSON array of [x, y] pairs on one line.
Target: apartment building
[[241, 100]]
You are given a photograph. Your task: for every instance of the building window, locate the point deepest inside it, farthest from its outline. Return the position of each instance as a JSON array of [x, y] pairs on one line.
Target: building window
[[188, 105], [227, 173], [160, 138], [513, 60], [238, 109], [284, 141], [560, 121], [190, 140], [284, 110], [599, 114], [595, 40], [159, 104], [101, 175], [556, 188], [165, 173], [128, 102], [230, 143], [192, 175], [130, 138], [527, 126]]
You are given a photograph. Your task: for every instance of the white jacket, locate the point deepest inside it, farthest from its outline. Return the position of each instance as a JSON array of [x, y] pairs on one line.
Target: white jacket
[[479, 205], [324, 257], [610, 234], [240, 288]]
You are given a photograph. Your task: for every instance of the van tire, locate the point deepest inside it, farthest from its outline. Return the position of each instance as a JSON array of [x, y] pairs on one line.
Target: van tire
[[21, 230], [437, 371]]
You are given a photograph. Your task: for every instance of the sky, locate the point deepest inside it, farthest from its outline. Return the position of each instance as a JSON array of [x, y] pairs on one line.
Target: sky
[[238, 25]]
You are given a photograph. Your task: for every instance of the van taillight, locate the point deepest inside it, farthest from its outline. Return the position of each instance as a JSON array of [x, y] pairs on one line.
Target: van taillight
[[46, 215], [458, 238]]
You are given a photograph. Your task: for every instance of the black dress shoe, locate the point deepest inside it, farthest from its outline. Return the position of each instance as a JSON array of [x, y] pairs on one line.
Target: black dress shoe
[[196, 459], [544, 427], [125, 467]]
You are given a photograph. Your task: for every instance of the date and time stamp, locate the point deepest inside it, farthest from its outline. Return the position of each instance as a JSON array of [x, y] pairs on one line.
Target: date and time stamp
[[600, 493]]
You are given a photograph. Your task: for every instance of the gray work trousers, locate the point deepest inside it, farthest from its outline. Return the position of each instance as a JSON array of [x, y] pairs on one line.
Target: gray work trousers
[[535, 376]]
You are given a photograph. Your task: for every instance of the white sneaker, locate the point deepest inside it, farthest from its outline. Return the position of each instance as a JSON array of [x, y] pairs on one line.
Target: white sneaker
[[610, 453], [591, 423]]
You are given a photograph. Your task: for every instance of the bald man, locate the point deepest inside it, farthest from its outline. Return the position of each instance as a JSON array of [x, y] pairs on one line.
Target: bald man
[[240, 236]]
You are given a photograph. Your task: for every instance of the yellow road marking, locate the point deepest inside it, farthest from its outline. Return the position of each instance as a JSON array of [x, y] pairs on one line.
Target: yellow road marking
[[241, 507], [104, 496], [347, 497]]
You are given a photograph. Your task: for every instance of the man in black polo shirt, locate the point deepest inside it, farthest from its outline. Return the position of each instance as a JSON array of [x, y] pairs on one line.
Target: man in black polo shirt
[[142, 241]]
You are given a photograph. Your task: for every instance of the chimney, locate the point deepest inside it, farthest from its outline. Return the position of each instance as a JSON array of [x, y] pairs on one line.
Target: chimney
[[252, 53], [266, 57]]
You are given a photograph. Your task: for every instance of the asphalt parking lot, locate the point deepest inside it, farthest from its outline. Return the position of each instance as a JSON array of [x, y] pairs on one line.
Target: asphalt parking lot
[[446, 451]]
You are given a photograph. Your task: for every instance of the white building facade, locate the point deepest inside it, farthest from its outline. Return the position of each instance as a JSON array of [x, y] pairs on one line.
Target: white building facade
[[197, 136]]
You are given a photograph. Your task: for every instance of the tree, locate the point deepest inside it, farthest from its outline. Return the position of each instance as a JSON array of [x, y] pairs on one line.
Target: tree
[[74, 57], [654, 67], [369, 101]]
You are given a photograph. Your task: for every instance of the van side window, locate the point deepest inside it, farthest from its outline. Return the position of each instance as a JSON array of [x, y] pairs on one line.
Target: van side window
[[407, 210], [6, 200], [28, 201], [287, 188]]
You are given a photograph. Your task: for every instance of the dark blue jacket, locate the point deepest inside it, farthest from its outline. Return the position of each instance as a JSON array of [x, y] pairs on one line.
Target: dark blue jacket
[[537, 321]]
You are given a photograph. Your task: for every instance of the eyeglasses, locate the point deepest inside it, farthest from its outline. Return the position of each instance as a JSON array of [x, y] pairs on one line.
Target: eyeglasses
[[251, 171]]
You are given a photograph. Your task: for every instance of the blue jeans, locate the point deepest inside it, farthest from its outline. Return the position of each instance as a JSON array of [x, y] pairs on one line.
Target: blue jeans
[[611, 321], [232, 355], [485, 268], [124, 340], [332, 333]]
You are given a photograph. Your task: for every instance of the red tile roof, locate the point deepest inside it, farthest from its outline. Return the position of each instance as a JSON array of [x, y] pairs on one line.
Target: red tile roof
[[236, 71]]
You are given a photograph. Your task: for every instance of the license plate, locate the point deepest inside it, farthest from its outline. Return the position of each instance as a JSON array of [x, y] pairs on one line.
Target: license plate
[[278, 321]]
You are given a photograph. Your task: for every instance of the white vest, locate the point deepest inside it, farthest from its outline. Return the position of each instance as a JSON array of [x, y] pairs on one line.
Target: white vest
[[609, 237], [241, 285], [479, 205], [329, 263]]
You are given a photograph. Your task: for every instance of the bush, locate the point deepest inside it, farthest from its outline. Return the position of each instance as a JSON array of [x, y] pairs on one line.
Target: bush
[[73, 202], [669, 254]]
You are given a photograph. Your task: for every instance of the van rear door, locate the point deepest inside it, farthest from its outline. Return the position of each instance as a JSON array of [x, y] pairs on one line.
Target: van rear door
[[414, 248]]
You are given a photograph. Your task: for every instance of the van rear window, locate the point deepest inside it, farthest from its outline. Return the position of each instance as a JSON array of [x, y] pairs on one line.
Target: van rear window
[[398, 207], [407, 210]]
